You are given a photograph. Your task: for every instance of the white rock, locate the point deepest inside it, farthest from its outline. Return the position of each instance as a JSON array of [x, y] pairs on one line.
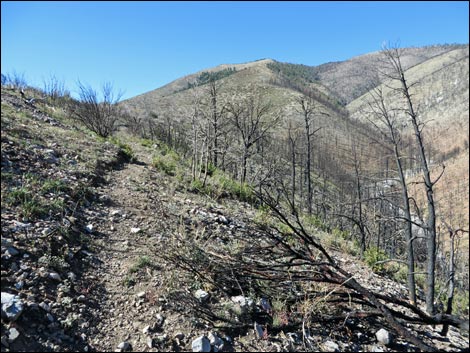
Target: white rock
[[330, 346], [201, 344], [89, 228], [244, 302], [55, 276], [44, 306], [115, 212], [384, 337], [215, 340], [81, 298], [12, 306], [159, 321], [179, 336], [13, 334], [202, 295], [135, 230], [223, 220], [124, 346]]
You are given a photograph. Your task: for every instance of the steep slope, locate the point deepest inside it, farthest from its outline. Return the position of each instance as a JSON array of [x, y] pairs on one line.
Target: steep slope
[[105, 270], [174, 104], [441, 95], [142, 103], [351, 78]]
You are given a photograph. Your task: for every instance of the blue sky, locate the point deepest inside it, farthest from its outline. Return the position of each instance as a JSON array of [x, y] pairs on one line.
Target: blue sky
[[140, 46]]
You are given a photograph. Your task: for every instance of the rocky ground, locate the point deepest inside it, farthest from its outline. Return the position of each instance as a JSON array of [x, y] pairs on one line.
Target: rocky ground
[[87, 268]]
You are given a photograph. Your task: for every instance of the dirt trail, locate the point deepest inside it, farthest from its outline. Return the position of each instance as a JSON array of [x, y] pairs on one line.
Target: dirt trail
[[129, 224]]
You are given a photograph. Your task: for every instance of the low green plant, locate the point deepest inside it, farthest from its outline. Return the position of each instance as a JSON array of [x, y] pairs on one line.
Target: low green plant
[[280, 313], [124, 147], [372, 256], [316, 222], [165, 163], [54, 186], [142, 262], [146, 142], [129, 280]]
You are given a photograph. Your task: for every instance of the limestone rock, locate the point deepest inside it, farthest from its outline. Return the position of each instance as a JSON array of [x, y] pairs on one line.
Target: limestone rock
[[201, 344], [384, 337], [12, 306]]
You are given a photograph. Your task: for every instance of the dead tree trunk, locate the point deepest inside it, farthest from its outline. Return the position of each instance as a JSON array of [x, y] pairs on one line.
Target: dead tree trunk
[[398, 74]]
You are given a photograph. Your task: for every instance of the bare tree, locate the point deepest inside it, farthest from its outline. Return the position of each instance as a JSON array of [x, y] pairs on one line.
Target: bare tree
[[293, 137], [54, 88], [217, 121], [16, 80], [308, 108], [252, 118], [386, 122], [100, 116], [397, 73]]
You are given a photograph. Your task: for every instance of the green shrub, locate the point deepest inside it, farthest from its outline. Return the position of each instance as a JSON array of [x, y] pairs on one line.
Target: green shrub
[[241, 191], [142, 262], [343, 234], [316, 222], [126, 149], [147, 142], [165, 163], [374, 255], [54, 186], [210, 169]]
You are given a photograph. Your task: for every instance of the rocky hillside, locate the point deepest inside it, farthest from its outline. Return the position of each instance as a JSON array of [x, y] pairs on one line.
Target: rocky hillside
[[107, 246]]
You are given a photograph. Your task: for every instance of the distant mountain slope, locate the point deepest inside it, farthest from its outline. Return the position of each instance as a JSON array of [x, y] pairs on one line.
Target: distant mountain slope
[[442, 69], [349, 79], [441, 96]]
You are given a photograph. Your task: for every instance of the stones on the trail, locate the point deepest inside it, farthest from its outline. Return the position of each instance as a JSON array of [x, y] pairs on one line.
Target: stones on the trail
[[13, 334], [12, 251], [81, 298], [161, 339], [141, 295], [264, 304], [55, 276], [135, 230], [159, 320], [259, 330], [246, 304], [201, 344], [215, 341], [150, 342], [222, 219], [202, 295], [179, 336], [12, 306], [124, 347], [44, 306], [330, 346], [384, 337], [115, 213]]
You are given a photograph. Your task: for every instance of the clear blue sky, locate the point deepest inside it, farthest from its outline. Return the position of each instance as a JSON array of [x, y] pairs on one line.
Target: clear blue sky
[[140, 46]]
